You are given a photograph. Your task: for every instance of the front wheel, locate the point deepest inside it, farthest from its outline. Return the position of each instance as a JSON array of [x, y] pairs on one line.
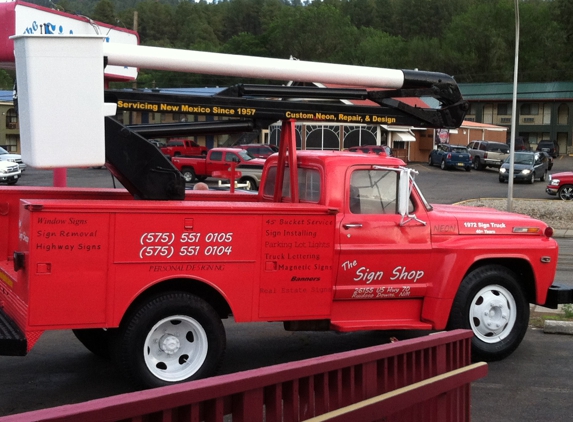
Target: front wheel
[[492, 304], [174, 337], [430, 161], [532, 179], [566, 192], [188, 174]]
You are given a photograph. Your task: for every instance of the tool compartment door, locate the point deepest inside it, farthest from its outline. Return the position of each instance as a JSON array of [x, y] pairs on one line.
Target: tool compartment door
[[67, 267]]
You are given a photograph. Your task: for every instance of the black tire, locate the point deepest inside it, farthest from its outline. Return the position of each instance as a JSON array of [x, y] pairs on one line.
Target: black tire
[[252, 184], [443, 165], [532, 180], [173, 337], [12, 182], [501, 180], [469, 168], [491, 303], [188, 174], [96, 340], [430, 161], [201, 178], [565, 192], [477, 164]]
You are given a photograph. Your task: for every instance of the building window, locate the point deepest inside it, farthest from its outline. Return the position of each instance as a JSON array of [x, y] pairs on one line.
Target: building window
[[12, 143], [504, 109], [275, 135], [322, 137], [11, 119], [530, 109], [360, 135]]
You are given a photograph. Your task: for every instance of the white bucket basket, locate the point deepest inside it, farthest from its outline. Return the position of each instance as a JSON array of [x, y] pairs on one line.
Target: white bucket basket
[[61, 100]]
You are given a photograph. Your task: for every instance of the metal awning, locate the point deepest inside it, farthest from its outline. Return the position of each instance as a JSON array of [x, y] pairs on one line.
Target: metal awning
[[403, 136]]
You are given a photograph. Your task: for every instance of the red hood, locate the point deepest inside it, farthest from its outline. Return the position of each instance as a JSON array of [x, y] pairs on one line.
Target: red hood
[[450, 219]]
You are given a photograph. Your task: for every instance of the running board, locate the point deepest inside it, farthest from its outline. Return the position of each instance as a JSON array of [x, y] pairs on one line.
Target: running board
[[396, 324]]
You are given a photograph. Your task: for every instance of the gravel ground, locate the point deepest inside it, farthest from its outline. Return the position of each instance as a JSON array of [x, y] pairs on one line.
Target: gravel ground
[[557, 214]]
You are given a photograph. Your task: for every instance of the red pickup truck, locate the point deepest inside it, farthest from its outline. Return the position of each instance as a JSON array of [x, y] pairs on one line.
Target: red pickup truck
[[217, 159], [178, 147], [348, 244]]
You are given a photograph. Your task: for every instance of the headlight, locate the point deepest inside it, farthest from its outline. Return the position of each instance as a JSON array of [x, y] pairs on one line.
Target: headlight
[[526, 171], [3, 171], [502, 170], [555, 182]]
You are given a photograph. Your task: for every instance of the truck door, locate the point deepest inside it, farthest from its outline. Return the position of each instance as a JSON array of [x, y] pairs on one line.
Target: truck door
[[379, 258]]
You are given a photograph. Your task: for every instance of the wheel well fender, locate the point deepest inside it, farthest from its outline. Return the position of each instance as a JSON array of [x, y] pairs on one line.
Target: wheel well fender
[[520, 267], [192, 286]]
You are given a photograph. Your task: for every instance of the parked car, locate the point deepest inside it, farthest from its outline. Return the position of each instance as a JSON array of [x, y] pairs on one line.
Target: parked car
[[375, 149], [451, 156], [487, 154], [561, 184], [527, 166], [549, 147], [258, 150], [9, 172], [521, 144], [182, 147], [13, 158]]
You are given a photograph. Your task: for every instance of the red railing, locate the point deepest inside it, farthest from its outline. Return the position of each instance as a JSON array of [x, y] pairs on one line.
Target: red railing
[[423, 379]]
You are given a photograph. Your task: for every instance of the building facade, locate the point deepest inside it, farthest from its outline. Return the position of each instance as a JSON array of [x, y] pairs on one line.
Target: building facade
[[544, 110]]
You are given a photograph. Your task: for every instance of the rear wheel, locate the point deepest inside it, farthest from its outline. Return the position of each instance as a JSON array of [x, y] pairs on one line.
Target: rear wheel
[[477, 164], [443, 165], [566, 192], [174, 337], [188, 174], [491, 303], [250, 182]]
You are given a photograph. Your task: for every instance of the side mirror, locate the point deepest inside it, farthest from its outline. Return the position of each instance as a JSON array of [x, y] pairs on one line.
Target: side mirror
[[404, 192]]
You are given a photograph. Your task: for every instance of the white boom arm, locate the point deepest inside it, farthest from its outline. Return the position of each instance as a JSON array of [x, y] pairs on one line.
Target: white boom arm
[[249, 66], [61, 88]]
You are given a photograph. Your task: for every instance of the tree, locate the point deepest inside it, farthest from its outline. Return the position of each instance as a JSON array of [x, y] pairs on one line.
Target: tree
[[104, 12], [317, 32]]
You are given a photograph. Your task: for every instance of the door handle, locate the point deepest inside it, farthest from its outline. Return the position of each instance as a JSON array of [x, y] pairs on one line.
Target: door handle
[[352, 226]]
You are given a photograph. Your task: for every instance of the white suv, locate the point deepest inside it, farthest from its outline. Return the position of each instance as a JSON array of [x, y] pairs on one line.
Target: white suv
[[14, 158], [9, 172]]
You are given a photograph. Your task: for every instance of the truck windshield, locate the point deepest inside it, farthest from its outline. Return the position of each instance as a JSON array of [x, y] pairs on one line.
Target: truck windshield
[[245, 155]]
